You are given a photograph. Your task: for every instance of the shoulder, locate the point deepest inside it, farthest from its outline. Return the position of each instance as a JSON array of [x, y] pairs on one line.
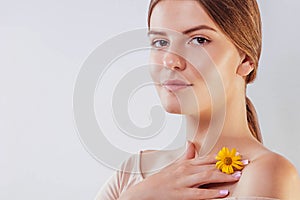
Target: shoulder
[[270, 175], [130, 165], [124, 177]]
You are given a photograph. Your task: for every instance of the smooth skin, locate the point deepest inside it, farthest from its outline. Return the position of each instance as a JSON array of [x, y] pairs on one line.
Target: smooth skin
[[182, 179], [267, 175]]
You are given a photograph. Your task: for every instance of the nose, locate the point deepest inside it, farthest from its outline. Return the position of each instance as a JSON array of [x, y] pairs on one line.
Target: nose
[[173, 61]]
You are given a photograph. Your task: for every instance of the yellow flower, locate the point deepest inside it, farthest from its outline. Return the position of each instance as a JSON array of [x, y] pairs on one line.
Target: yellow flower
[[229, 161]]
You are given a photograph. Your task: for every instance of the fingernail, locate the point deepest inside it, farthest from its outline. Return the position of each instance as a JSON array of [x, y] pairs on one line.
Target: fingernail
[[224, 192], [245, 162], [237, 174], [237, 154]]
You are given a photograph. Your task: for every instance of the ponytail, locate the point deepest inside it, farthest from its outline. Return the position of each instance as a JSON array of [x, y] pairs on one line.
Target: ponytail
[[253, 120]]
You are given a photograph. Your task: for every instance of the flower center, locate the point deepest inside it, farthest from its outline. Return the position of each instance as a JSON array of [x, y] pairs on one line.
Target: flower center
[[227, 161]]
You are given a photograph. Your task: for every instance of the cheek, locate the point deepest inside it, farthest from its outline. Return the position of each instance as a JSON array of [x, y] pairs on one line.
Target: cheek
[[226, 60], [155, 66]]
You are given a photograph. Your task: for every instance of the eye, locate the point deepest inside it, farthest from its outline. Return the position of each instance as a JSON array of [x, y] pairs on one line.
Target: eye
[[159, 43], [199, 41]]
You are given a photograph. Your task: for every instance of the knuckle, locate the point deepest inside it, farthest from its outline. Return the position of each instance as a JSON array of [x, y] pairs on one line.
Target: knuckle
[[176, 182], [181, 169]]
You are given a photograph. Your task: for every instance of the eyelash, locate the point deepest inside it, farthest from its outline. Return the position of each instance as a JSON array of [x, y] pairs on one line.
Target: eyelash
[[153, 44], [202, 41]]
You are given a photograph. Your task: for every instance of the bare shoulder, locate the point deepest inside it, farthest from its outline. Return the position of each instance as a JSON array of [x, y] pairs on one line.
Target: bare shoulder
[[270, 175]]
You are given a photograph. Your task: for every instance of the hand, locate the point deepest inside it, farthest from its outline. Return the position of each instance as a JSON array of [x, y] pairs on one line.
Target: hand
[[181, 180]]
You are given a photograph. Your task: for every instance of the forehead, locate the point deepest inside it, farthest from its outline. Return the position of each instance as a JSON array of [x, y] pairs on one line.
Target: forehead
[[179, 15]]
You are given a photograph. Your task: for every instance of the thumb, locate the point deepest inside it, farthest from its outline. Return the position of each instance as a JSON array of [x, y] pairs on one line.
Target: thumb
[[190, 151]]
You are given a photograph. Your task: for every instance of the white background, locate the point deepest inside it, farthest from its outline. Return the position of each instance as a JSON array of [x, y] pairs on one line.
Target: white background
[[42, 47]]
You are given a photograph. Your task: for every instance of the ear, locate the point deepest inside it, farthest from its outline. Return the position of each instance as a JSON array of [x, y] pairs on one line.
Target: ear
[[246, 66]]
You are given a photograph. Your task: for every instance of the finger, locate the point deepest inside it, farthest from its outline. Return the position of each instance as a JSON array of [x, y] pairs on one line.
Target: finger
[[188, 169], [220, 177], [208, 175], [190, 152], [207, 160], [201, 194]]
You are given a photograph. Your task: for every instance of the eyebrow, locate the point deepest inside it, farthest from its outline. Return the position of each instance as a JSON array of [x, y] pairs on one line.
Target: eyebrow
[[152, 32]]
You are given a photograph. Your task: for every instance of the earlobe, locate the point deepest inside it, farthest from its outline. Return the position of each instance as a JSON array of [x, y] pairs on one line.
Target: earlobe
[[246, 67]]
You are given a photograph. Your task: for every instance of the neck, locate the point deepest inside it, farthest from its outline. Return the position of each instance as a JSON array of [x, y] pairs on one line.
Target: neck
[[226, 126]]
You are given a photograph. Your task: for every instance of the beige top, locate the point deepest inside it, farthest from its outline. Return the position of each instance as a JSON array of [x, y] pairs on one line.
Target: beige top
[[121, 180]]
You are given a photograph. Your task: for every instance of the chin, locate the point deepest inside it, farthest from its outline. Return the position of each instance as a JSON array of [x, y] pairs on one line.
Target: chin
[[173, 109], [180, 103], [170, 103]]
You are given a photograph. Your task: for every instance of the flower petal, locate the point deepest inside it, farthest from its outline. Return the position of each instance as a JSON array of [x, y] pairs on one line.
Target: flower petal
[[236, 158], [224, 169], [218, 157], [233, 152], [222, 158], [227, 151], [239, 163], [238, 167], [222, 152], [230, 169], [219, 164]]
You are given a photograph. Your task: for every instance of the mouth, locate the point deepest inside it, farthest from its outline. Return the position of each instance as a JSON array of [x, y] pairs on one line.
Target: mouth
[[175, 85]]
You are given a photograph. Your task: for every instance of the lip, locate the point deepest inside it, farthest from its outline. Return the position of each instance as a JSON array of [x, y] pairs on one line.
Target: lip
[[175, 85]]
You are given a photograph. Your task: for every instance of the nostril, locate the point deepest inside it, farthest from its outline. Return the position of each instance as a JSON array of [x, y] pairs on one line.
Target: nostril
[[174, 62]]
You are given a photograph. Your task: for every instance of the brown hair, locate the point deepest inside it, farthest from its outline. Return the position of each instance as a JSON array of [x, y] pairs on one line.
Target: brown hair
[[240, 21]]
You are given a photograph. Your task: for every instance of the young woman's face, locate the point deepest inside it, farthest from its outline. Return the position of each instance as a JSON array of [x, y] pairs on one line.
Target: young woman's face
[[190, 57]]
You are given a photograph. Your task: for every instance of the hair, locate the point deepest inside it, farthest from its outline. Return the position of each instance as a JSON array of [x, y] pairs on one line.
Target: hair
[[240, 21]]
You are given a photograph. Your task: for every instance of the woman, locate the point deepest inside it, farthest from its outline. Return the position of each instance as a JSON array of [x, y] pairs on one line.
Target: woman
[[195, 44]]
